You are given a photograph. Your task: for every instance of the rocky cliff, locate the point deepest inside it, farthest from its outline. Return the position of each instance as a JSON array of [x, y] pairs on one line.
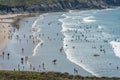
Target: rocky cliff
[[55, 5]]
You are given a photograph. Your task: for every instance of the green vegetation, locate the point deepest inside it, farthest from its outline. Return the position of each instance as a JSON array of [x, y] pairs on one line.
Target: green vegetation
[[14, 3], [24, 2], [32, 2], [21, 75]]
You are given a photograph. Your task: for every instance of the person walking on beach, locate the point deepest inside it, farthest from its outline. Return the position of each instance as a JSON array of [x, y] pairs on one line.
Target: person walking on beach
[[22, 50], [61, 49], [75, 71], [43, 65], [18, 66], [27, 41], [33, 68], [3, 53], [24, 35], [22, 60], [39, 68], [117, 67], [23, 68], [26, 59], [54, 61], [30, 66], [8, 56]]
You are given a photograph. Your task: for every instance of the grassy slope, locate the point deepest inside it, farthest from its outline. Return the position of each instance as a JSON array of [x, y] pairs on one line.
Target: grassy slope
[[15, 75], [31, 2], [26, 3]]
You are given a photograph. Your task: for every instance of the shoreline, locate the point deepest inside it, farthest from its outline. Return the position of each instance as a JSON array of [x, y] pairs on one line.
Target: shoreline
[[7, 22], [25, 22], [4, 33], [23, 18]]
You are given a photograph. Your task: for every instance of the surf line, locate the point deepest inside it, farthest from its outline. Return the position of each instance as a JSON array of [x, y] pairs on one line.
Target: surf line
[[35, 31]]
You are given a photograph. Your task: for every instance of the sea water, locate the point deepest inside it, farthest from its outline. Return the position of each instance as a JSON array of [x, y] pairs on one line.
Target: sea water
[[89, 39], [92, 40]]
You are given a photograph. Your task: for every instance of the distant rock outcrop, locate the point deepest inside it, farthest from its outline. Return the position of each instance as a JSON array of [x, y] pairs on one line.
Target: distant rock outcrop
[[60, 5]]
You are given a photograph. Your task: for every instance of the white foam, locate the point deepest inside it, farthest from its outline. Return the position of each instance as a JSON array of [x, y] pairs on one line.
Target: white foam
[[36, 47], [74, 60], [116, 48], [89, 62], [69, 26], [100, 27], [89, 19], [35, 31]]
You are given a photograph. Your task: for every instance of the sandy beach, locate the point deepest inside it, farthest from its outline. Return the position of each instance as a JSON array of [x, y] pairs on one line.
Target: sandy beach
[[5, 26], [30, 50], [72, 42], [4, 31], [77, 38]]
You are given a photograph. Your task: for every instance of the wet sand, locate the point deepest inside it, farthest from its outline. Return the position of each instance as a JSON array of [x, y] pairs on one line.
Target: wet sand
[[32, 52]]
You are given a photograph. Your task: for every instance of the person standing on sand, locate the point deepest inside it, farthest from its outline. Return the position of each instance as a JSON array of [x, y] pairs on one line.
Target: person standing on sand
[[39, 66], [43, 66], [26, 59], [18, 66], [22, 60], [24, 35], [54, 61], [8, 56], [117, 67], [27, 41], [30, 66], [75, 71], [20, 40], [33, 68], [23, 68], [3, 53], [22, 50]]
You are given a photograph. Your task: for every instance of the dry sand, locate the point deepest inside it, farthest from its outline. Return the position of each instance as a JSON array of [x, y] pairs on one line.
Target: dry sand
[[5, 25]]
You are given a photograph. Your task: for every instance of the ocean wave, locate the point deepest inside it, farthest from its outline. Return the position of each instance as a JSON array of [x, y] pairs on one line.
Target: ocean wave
[[35, 30], [67, 28], [72, 58], [98, 38], [89, 19]]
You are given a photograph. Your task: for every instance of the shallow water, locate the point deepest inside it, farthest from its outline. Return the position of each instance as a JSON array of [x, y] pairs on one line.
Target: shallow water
[[92, 40], [40, 40], [89, 39]]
